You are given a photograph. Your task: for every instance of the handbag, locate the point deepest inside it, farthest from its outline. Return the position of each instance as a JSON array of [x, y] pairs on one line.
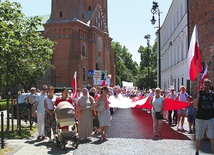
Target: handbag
[[158, 115], [93, 111], [101, 106]]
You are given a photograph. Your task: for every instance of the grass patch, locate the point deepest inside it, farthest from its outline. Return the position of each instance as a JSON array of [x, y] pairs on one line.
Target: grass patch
[[26, 133], [5, 151]]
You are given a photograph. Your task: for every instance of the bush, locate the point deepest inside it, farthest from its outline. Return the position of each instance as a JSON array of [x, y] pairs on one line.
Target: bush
[[3, 104]]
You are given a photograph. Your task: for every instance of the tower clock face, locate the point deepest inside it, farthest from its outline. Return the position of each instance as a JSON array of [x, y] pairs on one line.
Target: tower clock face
[[99, 44]]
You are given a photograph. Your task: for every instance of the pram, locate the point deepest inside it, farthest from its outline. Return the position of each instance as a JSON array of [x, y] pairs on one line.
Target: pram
[[65, 116]]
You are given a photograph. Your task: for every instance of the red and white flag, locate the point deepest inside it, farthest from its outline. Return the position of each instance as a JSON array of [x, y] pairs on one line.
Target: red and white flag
[[74, 84], [194, 58], [204, 76], [104, 83]]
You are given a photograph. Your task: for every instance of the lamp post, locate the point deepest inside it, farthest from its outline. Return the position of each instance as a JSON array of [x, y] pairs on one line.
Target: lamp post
[[147, 37], [155, 10]]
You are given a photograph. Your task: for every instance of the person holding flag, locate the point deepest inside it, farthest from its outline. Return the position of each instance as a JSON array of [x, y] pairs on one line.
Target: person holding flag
[[204, 103]]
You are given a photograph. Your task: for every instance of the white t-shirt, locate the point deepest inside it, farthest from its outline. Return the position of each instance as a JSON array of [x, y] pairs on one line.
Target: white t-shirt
[[171, 96], [40, 99], [182, 97], [32, 98], [157, 104], [50, 102]]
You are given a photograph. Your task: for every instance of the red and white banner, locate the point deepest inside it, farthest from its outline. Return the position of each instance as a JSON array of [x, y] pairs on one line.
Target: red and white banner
[[204, 76], [124, 102], [194, 58], [74, 85]]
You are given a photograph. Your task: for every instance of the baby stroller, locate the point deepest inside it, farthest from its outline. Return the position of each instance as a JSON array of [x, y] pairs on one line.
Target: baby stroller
[[65, 116]]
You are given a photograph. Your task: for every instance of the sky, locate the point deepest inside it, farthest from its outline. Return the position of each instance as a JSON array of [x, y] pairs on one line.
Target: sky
[[128, 20]]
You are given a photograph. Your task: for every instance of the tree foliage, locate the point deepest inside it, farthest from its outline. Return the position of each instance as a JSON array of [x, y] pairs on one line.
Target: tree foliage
[[126, 68], [24, 54], [148, 67]]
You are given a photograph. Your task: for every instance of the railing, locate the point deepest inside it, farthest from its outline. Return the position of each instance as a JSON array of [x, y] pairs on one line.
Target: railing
[[2, 130]]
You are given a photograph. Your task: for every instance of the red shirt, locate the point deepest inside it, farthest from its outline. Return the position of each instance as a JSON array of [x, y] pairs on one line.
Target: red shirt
[[58, 100]]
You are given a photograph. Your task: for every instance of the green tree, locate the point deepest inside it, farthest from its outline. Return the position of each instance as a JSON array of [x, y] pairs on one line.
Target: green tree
[[126, 68], [148, 67], [24, 54]]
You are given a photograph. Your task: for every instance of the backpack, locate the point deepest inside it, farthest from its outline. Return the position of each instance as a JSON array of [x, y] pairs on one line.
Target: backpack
[[184, 93]]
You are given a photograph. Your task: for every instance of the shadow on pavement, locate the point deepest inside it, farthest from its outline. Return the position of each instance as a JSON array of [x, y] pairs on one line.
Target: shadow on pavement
[[51, 146]]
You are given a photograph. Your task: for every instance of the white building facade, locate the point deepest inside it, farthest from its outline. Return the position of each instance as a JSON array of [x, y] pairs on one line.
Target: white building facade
[[174, 46]]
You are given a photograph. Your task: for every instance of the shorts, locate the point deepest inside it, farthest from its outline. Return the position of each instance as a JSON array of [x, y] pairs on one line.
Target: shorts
[[181, 111], [191, 118], [204, 125]]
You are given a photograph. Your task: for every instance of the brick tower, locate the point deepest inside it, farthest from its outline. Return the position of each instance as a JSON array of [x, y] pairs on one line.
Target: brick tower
[[80, 30]]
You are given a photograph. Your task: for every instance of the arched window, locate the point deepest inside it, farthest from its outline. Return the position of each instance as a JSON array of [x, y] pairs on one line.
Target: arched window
[[84, 74], [84, 50]]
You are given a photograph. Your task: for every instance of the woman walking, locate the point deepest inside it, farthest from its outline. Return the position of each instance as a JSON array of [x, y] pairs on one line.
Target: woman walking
[[103, 113], [85, 121], [158, 105]]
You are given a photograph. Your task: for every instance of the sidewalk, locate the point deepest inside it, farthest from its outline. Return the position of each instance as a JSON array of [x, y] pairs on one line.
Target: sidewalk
[[33, 146]]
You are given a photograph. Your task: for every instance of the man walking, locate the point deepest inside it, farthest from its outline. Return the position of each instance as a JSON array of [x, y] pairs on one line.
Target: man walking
[[31, 99], [204, 102]]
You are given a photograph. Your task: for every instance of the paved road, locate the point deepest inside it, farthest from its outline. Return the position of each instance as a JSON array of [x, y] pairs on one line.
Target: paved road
[[130, 134]]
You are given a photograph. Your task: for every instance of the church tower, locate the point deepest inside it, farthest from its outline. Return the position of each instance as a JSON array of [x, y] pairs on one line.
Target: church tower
[[80, 30], [66, 10]]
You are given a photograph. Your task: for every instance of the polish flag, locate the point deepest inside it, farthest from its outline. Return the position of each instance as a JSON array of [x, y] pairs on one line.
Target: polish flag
[[74, 84], [204, 76], [194, 59], [104, 83]]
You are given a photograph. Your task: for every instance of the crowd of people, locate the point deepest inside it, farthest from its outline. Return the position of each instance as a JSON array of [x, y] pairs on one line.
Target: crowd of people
[[44, 103], [94, 113]]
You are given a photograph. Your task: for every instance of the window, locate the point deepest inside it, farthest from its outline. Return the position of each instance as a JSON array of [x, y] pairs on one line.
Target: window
[[178, 83], [182, 81], [89, 8], [60, 14], [83, 50], [84, 78], [83, 17]]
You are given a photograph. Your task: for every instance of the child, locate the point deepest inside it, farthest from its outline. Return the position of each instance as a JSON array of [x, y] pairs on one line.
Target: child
[[191, 112]]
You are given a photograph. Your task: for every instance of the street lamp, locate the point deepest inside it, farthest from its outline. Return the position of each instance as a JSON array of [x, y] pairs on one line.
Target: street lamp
[[155, 10], [147, 37]]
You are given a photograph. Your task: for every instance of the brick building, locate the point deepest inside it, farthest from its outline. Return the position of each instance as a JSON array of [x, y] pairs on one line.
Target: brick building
[[202, 14], [176, 33], [80, 30]]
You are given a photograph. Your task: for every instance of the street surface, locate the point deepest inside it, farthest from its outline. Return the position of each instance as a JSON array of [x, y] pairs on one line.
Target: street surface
[[131, 133]]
